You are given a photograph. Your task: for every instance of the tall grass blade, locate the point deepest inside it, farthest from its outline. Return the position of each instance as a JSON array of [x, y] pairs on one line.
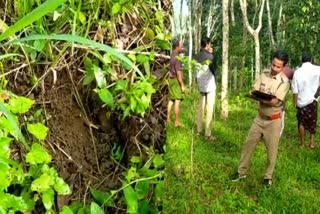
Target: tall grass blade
[[86, 42], [28, 19], [8, 55]]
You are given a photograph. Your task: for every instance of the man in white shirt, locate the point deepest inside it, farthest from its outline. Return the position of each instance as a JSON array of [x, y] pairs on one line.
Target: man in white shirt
[[305, 82]]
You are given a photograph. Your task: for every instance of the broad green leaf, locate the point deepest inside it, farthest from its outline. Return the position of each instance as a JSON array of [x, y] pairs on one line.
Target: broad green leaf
[[144, 207], [4, 175], [78, 39], [6, 125], [39, 45], [102, 198], [66, 210], [116, 8], [82, 17], [89, 77], [133, 103], [100, 78], [84, 210], [121, 85], [106, 96], [150, 33], [43, 9], [18, 174], [49, 170], [135, 159], [142, 58], [158, 161], [96, 209], [5, 147], [132, 57], [142, 189], [38, 130], [20, 104], [3, 210], [61, 187], [106, 58], [159, 191], [145, 101], [43, 183], [76, 206], [48, 198], [27, 197], [131, 199], [16, 202], [163, 44], [14, 124], [131, 173], [38, 155]]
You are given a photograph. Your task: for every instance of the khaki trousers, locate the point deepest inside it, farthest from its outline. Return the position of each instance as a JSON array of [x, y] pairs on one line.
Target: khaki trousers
[[206, 102], [270, 132]]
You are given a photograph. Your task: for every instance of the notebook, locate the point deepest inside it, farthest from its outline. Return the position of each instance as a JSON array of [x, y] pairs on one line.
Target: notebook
[[261, 95]]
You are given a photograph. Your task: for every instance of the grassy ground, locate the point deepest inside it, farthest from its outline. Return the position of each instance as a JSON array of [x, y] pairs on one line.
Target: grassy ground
[[197, 172]]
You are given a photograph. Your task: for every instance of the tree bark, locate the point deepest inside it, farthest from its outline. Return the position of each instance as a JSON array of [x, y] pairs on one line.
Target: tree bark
[[225, 60], [190, 43], [272, 42], [278, 36], [232, 13], [243, 58], [253, 32]]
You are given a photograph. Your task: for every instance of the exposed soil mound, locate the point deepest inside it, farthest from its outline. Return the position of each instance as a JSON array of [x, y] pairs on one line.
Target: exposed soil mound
[[82, 136]]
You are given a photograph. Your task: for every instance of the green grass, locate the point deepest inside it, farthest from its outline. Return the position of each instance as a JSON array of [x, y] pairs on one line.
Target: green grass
[[197, 172]]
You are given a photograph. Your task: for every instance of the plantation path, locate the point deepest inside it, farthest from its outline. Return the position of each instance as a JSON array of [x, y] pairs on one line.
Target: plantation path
[[197, 171]]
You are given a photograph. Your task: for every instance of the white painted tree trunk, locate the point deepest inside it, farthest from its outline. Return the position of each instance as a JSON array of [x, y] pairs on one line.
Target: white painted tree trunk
[[225, 60], [257, 53], [233, 22], [278, 33], [273, 45], [254, 33], [190, 46]]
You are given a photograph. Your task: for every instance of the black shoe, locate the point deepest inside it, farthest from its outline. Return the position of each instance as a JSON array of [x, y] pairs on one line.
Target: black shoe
[[267, 182], [237, 177]]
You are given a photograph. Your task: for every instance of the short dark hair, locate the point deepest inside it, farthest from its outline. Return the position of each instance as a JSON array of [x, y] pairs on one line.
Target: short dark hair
[[306, 57], [175, 43], [205, 41], [282, 55]]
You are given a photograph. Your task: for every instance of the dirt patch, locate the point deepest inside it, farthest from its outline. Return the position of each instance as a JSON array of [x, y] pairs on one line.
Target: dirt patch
[[80, 153], [82, 146]]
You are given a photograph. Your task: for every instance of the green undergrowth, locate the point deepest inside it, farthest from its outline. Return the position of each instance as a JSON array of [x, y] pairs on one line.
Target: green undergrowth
[[197, 172]]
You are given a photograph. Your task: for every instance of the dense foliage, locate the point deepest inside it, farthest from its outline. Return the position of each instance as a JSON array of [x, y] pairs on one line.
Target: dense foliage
[[116, 50]]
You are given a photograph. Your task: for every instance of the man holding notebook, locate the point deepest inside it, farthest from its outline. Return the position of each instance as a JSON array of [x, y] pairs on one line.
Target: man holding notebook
[[270, 90]]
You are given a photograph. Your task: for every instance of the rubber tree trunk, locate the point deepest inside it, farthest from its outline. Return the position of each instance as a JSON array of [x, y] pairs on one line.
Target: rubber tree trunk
[[225, 60]]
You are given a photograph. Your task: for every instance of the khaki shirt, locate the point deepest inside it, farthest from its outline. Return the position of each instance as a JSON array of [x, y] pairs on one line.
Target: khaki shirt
[[276, 85]]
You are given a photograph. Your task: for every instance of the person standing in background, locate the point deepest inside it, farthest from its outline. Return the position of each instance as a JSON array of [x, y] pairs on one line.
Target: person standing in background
[[176, 84], [207, 87], [305, 83]]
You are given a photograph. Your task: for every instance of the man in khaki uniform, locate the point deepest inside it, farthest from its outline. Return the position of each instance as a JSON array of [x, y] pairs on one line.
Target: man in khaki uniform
[[267, 123]]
